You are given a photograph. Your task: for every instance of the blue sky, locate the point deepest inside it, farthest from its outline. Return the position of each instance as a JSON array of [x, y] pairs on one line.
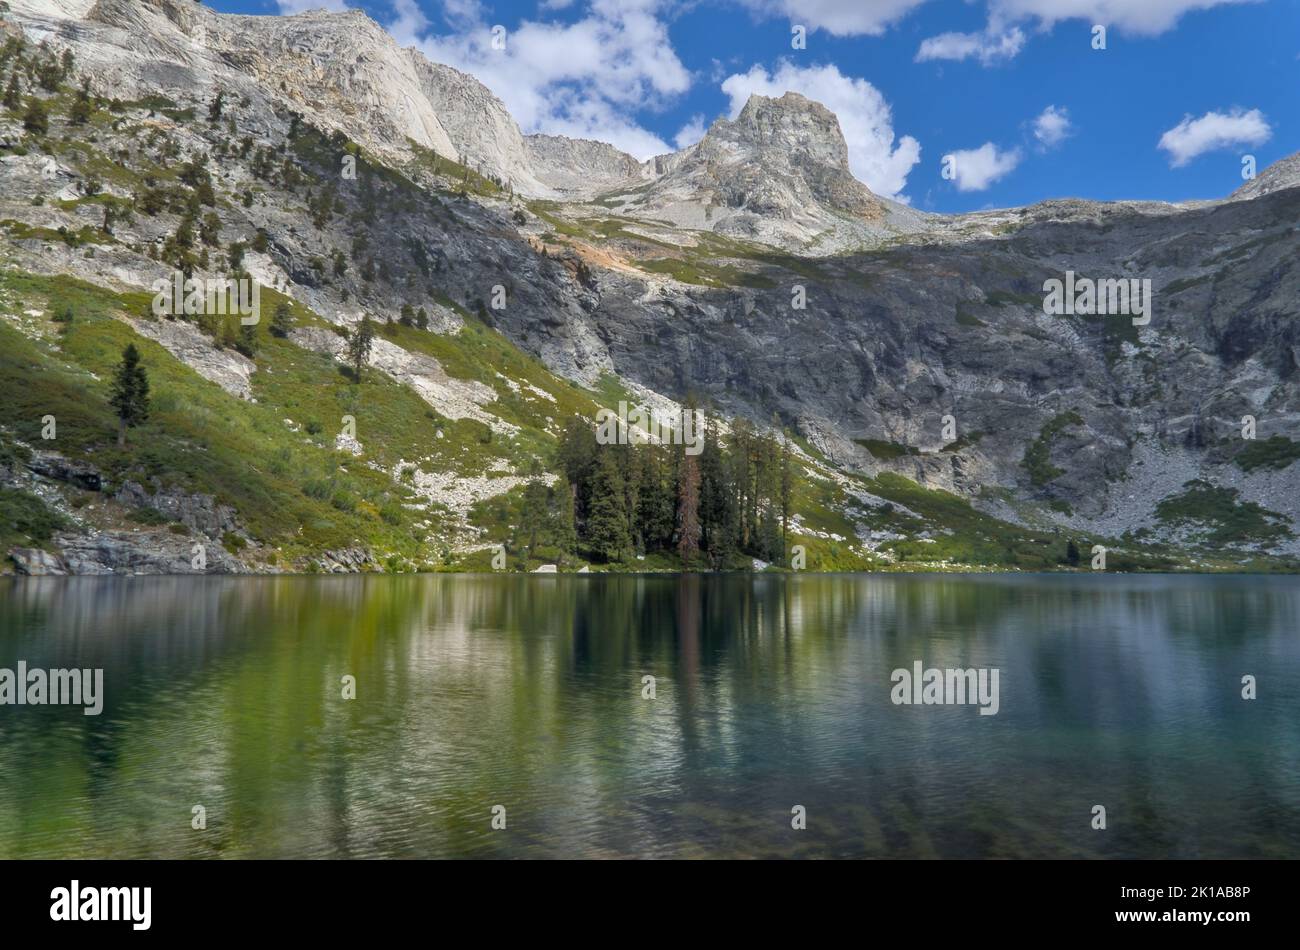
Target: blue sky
[[1013, 90]]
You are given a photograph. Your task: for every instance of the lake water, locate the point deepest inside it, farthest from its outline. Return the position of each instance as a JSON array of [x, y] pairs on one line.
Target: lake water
[[770, 692]]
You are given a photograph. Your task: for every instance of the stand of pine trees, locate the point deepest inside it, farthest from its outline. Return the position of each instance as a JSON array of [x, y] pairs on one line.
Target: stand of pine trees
[[730, 501]]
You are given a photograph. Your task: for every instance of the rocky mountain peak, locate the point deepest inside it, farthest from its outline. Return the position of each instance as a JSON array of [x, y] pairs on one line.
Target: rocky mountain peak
[[777, 173], [1284, 173], [806, 129]]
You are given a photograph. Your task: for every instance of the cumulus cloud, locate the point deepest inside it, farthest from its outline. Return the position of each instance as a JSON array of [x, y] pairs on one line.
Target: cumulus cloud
[[691, 132], [1214, 130], [987, 47], [974, 169], [1139, 17], [838, 17], [582, 78], [1002, 39], [1052, 127], [864, 115]]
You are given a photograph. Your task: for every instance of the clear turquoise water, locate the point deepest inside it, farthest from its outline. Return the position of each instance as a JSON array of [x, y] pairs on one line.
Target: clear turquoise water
[[771, 691]]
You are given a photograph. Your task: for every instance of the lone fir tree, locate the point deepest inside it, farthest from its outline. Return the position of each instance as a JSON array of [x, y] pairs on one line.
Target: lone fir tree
[[359, 344], [130, 393]]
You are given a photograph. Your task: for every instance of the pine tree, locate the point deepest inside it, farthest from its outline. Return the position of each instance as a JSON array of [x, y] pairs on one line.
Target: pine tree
[[359, 345], [130, 393], [576, 458], [210, 230], [607, 518], [35, 119], [657, 498], [13, 91], [81, 106], [533, 518], [563, 526]]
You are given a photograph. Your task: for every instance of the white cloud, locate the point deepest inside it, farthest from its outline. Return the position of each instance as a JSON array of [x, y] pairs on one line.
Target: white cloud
[[409, 24], [1052, 127], [974, 169], [1141, 17], [581, 78], [987, 47], [691, 132], [864, 115], [1001, 39], [838, 17], [1214, 130]]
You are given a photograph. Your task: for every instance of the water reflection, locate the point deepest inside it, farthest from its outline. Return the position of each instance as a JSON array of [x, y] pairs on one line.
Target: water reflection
[[771, 691]]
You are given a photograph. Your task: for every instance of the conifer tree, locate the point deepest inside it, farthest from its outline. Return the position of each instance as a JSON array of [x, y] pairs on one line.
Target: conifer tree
[[35, 119], [359, 344], [607, 518], [130, 392]]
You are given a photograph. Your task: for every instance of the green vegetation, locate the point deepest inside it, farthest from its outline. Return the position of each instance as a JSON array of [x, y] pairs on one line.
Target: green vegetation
[[696, 271], [196, 437], [25, 521], [469, 180], [130, 393], [1275, 452], [887, 451], [1038, 453], [1218, 518]]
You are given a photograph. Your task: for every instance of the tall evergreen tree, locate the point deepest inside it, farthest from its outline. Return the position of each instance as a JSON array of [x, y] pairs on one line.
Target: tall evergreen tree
[[607, 515], [657, 498], [360, 342], [534, 519], [576, 458], [130, 392], [13, 91], [564, 529]]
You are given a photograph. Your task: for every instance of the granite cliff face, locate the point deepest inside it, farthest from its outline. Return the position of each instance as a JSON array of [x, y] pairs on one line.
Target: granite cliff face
[[777, 174], [581, 168], [750, 270]]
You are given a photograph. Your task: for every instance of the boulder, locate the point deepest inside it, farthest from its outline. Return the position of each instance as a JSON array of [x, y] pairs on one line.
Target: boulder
[[37, 563]]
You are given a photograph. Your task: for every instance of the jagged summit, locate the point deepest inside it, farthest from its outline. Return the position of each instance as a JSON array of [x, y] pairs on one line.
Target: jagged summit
[[777, 173], [1284, 173], [791, 138]]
